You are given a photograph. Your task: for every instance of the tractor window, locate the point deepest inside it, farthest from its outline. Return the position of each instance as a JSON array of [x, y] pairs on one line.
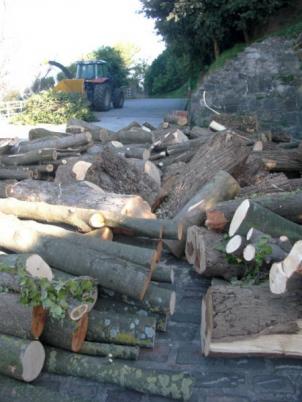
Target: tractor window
[[86, 71]]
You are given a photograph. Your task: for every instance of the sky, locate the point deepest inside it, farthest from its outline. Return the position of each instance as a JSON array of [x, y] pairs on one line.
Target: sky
[[33, 31]]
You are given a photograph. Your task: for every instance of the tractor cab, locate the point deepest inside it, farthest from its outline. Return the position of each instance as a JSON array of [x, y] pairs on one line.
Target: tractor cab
[[92, 70]]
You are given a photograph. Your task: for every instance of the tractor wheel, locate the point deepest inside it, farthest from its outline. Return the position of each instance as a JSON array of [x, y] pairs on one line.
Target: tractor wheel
[[118, 98], [102, 97]]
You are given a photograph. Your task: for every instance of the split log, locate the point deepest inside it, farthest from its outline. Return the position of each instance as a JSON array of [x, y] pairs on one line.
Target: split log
[[138, 153], [110, 350], [221, 187], [20, 320], [114, 273], [38, 133], [66, 334], [224, 151], [148, 168], [286, 275], [98, 133], [20, 358], [28, 158], [279, 183], [56, 143], [113, 173], [124, 329], [250, 214], [111, 305], [234, 322], [287, 205], [210, 259], [175, 385], [81, 195], [235, 246]]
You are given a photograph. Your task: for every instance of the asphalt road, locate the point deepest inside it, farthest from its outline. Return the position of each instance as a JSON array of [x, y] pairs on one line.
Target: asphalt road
[[140, 110]]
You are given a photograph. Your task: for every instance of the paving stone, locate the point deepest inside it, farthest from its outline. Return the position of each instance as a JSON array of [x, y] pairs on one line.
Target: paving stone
[[226, 398], [189, 353], [124, 396], [160, 352], [270, 383], [219, 380]]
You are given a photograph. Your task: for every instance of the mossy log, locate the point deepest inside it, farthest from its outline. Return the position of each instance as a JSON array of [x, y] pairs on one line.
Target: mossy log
[[110, 350], [80, 195], [110, 305], [239, 321], [113, 273], [176, 385], [250, 214], [65, 334], [28, 158], [222, 187], [20, 358], [123, 329], [56, 142], [20, 320], [286, 204]]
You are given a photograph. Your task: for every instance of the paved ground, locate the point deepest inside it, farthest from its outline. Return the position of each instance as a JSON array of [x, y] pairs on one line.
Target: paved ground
[[217, 379], [141, 110]]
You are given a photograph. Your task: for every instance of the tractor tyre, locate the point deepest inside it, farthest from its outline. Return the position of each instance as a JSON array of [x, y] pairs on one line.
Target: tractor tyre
[[118, 98], [102, 97]]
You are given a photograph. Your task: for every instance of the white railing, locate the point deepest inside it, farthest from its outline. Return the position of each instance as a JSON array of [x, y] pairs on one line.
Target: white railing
[[8, 109]]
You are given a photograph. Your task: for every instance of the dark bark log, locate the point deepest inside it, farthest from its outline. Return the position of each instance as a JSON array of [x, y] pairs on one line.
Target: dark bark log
[[138, 153], [113, 273], [20, 320], [17, 174], [283, 160], [56, 143], [287, 204], [75, 169], [66, 334], [20, 358], [210, 259], [163, 273], [81, 195], [235, 322], [272, 183], [186, 146], [182, 157], [250, 214], [221, 187], [28, 158], [225, 151], [110, 350], [123, 329]]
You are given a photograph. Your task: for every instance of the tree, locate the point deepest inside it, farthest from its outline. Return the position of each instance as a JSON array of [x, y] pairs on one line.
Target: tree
[[128, 52]]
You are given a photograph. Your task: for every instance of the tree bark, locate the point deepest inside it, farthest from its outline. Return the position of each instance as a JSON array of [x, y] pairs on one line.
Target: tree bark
[[138, 153], [30, 157], [110, 350], [98, 133], [163, 273], [124, 329], [20, 358], [80, 195], [148, 168], [66, 334], [235, 322], [175, 385], [114, 273], [224, 151], [39, 133], [287, 205], [283, 160], [209, 258], [134, 135], [17, 174], [221, 187], [287, 275], [250, 214], [20, 320], [273, 185], [56, 143], [33, 264]]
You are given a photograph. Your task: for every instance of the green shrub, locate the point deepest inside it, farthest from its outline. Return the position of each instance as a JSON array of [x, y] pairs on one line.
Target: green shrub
[[54, 108]]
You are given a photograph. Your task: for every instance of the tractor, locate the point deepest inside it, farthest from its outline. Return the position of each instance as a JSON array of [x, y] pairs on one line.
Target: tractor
[[92, 78]]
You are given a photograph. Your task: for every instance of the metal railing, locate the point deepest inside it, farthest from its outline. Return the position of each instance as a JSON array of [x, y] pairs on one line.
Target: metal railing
[[10, 108]]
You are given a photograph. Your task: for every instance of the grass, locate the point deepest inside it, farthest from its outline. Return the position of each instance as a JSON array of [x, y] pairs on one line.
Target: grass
[[290, 31], [226, 56], [181, 92]]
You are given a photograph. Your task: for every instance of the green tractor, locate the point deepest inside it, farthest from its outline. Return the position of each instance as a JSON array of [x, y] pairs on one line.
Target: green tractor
[[92, 78]]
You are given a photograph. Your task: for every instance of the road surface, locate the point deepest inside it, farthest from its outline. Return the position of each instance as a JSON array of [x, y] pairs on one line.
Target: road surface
[[141, 110]]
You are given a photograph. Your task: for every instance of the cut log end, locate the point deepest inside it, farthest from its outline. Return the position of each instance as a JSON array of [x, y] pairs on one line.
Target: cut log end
[[238, 217], [172, 303], [277, 279], [78, 312], [233, 244], [97, 221], [80, 334], [38, 268], [216, 221], [39, 316], [249, 252], [32, 361]]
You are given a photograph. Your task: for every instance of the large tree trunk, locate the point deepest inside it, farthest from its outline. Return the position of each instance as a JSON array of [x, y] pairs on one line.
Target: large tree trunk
[[66, 334], [224, 151], [124, 329], [204, 249], [20, 358], [110, 350], [221, 187], [80, 195], [175, 385], [113, 273], [288, 205], [20, 320], [235, 322], [249, 214], [287, 274]]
